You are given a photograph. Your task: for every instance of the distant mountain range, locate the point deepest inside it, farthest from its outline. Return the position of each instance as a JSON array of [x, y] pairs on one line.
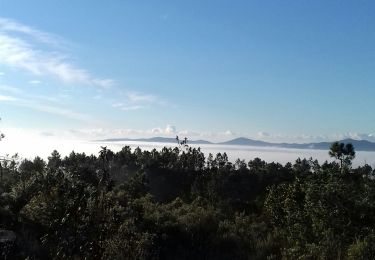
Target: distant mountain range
[[359, 145], [155, 140]]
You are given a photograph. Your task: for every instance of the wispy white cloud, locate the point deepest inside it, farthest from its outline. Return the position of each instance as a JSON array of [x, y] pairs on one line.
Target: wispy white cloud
[[129, 108], [117, 105], [2, 73], [355, 136], [229, 133], [21, 95], [11, 26], [135, 97], [189, 133], [30, 97], [262, 134], [126, 107], [10, 89], [47, 108], [49, 99], [168, 130], [59, 111], [42, 54], [7, 98], [34, 82], [135, 101], [39, 55]]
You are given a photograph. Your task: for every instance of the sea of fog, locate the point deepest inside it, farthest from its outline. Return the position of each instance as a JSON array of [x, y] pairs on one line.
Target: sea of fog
[[29, 148]]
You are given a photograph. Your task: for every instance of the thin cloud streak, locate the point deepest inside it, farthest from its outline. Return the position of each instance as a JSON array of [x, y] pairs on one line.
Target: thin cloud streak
[[25, 96], [51, 109], [10, 89], [11, 26], [34, 82], [16, 51], [137, 97], [39, 53], [135, 101], [60, 112], [125, 107], [7, 98]]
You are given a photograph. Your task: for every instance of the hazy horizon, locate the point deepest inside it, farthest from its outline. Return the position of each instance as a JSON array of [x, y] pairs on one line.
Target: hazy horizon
[[28, 147]]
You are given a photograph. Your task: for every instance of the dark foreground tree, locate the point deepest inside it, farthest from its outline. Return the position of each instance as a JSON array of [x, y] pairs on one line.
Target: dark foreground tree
[[343, 152]]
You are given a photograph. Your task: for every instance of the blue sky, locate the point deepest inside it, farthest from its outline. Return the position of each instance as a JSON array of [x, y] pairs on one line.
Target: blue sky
[[270, 70]]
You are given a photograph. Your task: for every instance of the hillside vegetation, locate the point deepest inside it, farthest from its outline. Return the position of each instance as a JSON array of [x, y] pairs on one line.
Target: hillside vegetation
[[177, 204]]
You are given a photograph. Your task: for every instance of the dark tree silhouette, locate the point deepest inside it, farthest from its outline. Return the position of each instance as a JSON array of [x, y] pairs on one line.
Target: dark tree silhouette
[[343, 152]]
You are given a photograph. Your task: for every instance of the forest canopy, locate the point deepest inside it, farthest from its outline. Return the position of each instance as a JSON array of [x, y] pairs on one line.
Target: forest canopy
[[178, 204]]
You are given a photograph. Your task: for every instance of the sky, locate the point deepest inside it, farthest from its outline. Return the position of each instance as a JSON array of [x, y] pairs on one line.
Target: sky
[[295, 71]]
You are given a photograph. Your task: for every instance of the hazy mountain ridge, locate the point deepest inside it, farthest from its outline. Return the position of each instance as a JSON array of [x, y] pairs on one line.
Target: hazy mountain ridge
[[360, 145], [155, 139]]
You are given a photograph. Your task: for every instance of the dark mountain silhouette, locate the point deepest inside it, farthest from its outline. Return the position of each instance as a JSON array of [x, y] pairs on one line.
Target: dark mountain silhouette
[[245, 141], [360, 145]]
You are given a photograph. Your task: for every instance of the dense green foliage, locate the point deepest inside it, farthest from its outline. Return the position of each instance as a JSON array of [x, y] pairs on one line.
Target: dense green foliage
[[177, 204]]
